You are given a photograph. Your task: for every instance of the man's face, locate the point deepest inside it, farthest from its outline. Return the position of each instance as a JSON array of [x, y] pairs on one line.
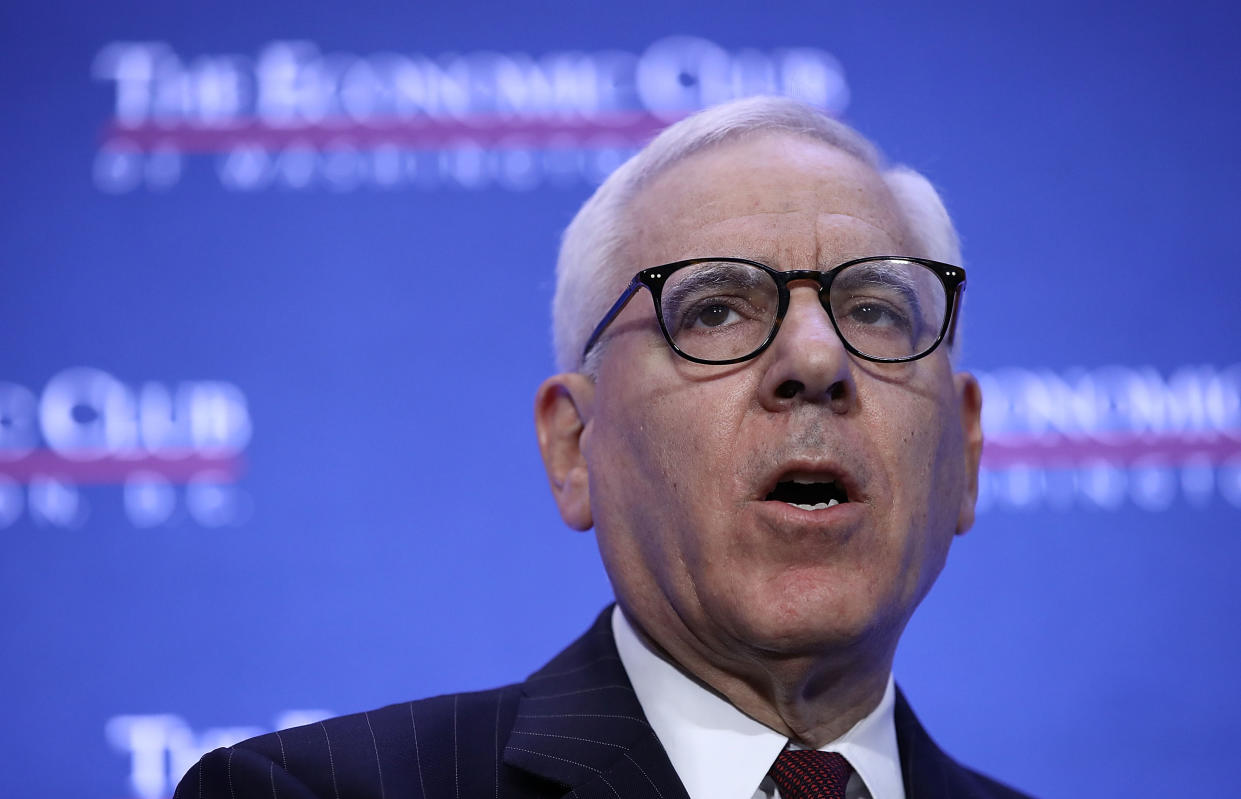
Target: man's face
[[688, 463]]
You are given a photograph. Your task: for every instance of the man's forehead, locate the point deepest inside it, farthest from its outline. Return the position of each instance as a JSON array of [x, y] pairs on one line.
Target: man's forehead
[[787, 240], [769, 197]]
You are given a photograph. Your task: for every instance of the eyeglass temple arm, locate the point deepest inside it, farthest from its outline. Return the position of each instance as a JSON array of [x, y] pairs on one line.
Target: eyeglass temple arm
[[612, 313], [958, 296]]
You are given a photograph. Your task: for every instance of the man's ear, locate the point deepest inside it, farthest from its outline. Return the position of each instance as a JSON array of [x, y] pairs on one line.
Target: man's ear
[[562, 410], [970, 396]]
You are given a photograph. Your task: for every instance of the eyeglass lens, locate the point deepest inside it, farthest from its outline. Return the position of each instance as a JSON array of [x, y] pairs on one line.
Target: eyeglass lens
[[719, 311]]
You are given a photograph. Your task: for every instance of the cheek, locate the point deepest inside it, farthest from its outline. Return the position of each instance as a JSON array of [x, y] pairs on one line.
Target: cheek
[[636, 479], [932, 469], [922, 453], [928, 444], [662, 467], [682, 435]]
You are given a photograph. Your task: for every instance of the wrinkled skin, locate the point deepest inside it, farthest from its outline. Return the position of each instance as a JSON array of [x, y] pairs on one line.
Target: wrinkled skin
[[793, 615]]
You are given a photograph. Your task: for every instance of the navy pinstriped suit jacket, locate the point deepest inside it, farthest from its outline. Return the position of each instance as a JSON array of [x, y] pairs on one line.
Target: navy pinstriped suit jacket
[[574, 728]]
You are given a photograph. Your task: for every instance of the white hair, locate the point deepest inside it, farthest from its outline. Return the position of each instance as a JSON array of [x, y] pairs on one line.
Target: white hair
[[588, 273]]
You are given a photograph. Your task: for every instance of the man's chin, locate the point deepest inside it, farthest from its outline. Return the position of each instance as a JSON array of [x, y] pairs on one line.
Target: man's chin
[[813, 633]]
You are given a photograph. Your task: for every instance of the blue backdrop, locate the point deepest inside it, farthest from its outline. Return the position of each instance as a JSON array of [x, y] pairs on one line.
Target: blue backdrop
[[243, 402]]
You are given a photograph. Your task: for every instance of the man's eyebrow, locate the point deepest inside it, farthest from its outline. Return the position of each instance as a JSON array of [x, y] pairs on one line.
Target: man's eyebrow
[[708, 276], [717, 272], [874, 275]]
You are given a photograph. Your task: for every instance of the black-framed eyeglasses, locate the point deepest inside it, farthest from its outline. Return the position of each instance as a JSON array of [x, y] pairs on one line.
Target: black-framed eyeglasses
[[885, 308]]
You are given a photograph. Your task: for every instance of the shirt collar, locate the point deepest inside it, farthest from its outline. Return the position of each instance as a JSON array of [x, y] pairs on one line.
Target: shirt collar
[[720, 752]]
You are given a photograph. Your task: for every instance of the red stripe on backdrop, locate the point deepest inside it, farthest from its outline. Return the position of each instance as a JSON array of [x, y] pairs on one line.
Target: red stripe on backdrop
[[1122, 448], [616, 129], [46, 464]]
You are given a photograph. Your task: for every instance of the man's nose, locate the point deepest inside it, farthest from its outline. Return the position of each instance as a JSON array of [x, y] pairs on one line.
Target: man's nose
[[807, 362]]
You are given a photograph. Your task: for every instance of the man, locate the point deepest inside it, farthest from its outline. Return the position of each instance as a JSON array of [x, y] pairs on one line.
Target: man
[[775, 452]]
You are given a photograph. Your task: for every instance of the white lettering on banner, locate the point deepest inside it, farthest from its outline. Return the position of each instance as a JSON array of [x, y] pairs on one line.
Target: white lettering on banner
[[12, 501], [292, 83], [467, 165], [686, 72], [56, 503], [19, 432], [162, 747], [1111, 437], [1098, 404], [149, 498], [294, 118], [1108, 486], [87, 413], [89, 427], [213, 501]]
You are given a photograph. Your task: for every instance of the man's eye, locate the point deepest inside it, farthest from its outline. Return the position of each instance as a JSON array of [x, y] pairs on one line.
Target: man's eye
[[713, 315], [875, 314], [878, 314], [710, 313]]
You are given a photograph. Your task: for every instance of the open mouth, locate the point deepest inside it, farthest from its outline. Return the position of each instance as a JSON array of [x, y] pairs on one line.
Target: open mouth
[[809, 494]]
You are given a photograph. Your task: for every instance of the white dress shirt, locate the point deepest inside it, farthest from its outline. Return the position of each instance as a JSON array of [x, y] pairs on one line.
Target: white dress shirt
[[721, 753]]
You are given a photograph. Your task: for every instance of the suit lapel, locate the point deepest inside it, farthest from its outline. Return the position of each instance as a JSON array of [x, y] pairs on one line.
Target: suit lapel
[[927, 772], [579, 724]]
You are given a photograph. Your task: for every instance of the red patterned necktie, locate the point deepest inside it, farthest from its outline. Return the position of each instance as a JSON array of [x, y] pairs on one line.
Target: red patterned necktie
[[807, 774]]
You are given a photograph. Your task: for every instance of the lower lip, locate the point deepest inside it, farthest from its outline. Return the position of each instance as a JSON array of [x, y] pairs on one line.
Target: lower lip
[[841, 515]]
